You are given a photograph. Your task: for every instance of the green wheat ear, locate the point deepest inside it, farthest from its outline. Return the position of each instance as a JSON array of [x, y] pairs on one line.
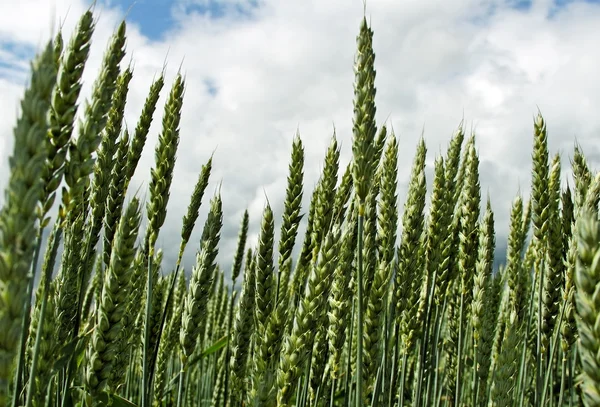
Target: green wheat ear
[[61, 117], [587, 278], [291, 218], [431, 325], [113, 303], [364, 128], [364, 151], [201, 282], [242, 330], [18, 227], [408, 276]]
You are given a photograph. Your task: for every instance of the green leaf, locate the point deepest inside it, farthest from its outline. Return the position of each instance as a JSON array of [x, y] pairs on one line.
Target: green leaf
[[65, 354], [113, 400], [218, 345], [75, 347]]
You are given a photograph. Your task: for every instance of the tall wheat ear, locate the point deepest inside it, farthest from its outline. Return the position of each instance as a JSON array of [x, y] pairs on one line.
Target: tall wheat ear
[[587, 279]]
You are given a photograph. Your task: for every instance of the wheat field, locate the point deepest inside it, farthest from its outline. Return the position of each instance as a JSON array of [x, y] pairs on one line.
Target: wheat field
[[360, 315]]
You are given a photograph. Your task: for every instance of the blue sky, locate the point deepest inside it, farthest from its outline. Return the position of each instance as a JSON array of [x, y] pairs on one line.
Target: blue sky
[[156, 17], [153, 16], [557, 5]]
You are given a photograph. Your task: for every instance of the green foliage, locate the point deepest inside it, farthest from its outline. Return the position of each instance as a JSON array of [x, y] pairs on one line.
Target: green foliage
[[367, 313]]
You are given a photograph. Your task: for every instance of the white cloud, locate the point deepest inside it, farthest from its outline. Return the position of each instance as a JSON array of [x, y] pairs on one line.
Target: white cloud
[[290, 65]]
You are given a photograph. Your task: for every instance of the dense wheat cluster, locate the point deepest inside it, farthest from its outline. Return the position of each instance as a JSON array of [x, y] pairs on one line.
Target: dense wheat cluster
[[382, 305]]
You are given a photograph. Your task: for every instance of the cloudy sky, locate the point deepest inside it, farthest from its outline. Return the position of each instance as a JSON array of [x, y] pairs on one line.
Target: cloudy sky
[[258, 70]]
